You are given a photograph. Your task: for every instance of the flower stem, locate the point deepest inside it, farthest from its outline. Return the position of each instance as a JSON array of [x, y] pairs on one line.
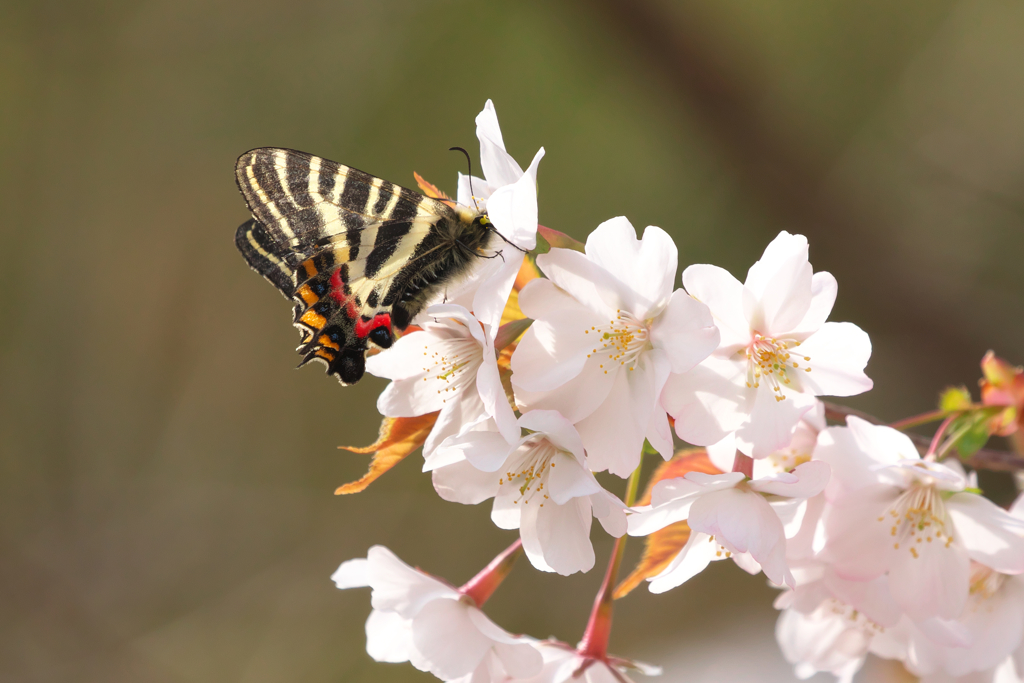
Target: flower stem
[[599, 628], [481, 586], [916, 420], [937, 438], [743, 464]]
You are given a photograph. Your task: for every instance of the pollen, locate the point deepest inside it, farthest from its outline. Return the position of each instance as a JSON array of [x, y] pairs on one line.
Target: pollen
[[769, 360], [622, 341], [917, 516]]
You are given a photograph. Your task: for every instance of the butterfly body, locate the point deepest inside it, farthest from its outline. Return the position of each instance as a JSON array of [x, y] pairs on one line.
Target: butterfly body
[[359, 256]]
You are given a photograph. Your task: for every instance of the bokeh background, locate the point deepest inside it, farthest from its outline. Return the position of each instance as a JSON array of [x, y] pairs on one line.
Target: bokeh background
[[166, 507]]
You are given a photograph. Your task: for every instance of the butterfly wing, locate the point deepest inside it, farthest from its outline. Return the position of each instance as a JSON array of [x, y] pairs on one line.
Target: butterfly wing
[[350, 250]]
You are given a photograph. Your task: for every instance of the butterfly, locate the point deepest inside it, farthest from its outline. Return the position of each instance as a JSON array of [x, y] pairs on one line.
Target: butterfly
[[358, 255]]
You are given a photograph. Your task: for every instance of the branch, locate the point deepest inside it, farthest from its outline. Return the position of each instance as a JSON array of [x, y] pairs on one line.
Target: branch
[[984, 459]]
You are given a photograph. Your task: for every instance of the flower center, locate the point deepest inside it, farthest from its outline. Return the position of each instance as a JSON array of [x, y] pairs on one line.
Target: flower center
[[769, 360], [917, 517], [985, 582], [623, 339], [854, 617], [453, 364], [529, 472]]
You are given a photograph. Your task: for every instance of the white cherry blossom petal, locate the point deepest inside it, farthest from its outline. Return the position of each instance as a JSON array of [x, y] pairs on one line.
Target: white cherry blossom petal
[[807, 480], [648, 264], [352, 574], [707, 402], [558, 536], [694, 558], [772, 423], [461, 482], [931, 582], [723, 295], [450, 643], [389, 638], [990, 535], [686, 332], [498, 166], [585, 281], [786, 297], [838, 353], [824, 289]]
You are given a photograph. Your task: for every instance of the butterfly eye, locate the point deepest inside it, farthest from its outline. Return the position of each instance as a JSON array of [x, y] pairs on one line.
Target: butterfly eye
[[381, 336]]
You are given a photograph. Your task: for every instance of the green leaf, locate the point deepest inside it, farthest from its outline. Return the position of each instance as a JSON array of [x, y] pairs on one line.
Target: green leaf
[[973, 439], [954, 399]]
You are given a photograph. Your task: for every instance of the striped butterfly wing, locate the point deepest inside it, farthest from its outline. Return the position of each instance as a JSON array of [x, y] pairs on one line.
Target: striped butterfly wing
[[344, 245]]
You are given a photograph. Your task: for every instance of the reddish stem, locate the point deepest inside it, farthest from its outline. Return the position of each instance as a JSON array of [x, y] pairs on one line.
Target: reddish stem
[[743, 464], [937, 438], [595, 639], [481, 586]]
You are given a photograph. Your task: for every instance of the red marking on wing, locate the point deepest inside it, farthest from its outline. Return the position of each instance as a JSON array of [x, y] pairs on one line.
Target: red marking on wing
[[365, 327], [338, 294]]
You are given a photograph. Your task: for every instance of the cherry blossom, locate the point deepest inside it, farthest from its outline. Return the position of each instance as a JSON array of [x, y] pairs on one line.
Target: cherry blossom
[[608, 330], [562, 664], [730, 516], [828, 624], [893, 513], [423, 620], [509, 197], [541, 485], [450, 366], [776, 352]]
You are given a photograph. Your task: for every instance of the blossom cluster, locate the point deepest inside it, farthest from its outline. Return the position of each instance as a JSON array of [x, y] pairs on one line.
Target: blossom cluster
[[541, 371]]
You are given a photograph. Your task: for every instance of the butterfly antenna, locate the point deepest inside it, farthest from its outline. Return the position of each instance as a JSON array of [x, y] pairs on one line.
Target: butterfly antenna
[[469, 161]]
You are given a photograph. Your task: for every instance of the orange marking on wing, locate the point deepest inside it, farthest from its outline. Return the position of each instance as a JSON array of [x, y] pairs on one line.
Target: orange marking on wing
[[307, 295], [313, 319], [310, 268], [325, 353], [326, 341]]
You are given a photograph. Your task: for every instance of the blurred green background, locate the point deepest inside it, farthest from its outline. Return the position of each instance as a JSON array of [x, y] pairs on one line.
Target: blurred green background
[[166, 507]]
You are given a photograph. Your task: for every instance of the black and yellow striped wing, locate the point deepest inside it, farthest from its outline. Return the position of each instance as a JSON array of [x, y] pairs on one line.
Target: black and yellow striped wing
[[357, 254]]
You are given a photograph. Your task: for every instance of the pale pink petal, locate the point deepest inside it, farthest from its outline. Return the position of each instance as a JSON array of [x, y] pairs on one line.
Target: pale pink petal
[[859, 545], [610, 512], [685, 331], [352, 574], [873, 598], [506, 512], [838, 353], [465, 409], [487, 451], [806, 480], [612, 437], [498, 166], [388, 637], [446, 637], [707, 402], [558, 430], [568, 479], [659, 432], [786, 298], [694, 558], [823, 296], [461, 482], [397, 587], [772, 422], [990, 534], [647, 266], [588, 283], [932, 581], [744, 522], [781, 252], [723, 453], [723, 295], [492, 394], [575, 398], [647, 519], [996, 624], [520, 660], [560, 535], [471, 190]]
